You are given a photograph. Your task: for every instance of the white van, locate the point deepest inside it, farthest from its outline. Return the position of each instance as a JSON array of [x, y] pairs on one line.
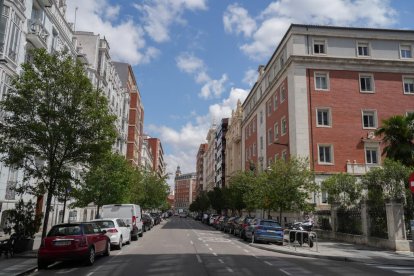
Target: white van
[[131, 213]]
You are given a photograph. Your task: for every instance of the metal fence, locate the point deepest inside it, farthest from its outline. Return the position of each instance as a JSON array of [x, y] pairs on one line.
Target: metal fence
[[349, 220], [378, 221]]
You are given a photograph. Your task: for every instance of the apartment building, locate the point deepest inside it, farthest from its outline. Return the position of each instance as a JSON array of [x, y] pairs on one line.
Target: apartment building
[[200, 167], [185, 189], [135, 115], [233, 143], [220, 153], [209, 161], [147, 159], [159, 165], [322, 95]]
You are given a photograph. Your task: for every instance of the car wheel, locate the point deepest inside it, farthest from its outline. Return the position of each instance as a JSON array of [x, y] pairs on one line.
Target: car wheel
[[42, 264], [134, 237], [91, 256], [107, 249], [142, 233], [253, 238], [119, 246]]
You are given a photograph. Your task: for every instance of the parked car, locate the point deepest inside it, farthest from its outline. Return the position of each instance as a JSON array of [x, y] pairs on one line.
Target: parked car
[[265, 230], [241, 224], [222, 222], [228, 226], [199, 216], [73, 241], [216, 223], [147, 222], [131, 213], [212, 219], [117, 231], [183, 215], [156, 217]]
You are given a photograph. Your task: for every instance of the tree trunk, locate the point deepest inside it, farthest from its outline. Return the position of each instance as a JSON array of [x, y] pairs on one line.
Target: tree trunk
[[280, 216], [47, 211], [97, 211]]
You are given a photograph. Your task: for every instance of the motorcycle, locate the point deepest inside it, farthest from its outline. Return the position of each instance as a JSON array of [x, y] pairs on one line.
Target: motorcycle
[[303, 234]]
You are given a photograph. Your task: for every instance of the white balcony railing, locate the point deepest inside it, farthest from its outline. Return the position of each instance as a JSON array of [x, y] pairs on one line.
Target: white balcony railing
[[37, 33], [359, 168]]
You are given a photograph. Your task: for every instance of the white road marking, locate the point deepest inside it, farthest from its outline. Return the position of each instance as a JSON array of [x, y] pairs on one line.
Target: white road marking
[[210, 249], [89, 274], [221, 261], [287, 273], [215, 254], [245, 250], [266, 262], [229, 269], [191, 242], [199, 258]]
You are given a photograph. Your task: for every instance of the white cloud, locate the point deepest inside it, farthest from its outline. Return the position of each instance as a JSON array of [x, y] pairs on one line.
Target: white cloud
[[236, 19], [274, 21], [184, 143], [194, 66], [250, 77], [159, 15], [100, 17]]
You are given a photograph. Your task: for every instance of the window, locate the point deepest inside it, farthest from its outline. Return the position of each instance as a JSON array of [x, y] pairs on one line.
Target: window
[[276, 156], [254, 149], [371, 154], [408, 85], [15, 33], [324, 197], [319, 47], [5, 85], [275, 101], [284, 126], [282, 61], [276, 131], [321, 81], [269, 108], [254, 126], [369, 119], [323, 117], [405, 51], [261, 142], [366, 83], [261, 117], [269, 136], [363, 49], [282, 94], [325, 154]]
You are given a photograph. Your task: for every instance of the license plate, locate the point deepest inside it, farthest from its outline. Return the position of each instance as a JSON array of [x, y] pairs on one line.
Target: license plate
[[61, 243]]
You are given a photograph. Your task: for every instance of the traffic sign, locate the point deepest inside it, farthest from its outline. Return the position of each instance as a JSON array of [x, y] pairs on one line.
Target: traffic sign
[[411, 182]]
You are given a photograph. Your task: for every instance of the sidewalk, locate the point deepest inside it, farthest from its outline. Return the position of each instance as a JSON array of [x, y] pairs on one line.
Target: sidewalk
[[22, 263], [340, 251]]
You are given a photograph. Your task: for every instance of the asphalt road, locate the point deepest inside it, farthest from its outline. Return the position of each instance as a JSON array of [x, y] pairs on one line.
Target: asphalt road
[[182, 246]]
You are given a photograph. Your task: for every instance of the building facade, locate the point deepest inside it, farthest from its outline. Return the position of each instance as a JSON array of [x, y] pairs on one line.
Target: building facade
[[233, 143], [185, 189], [147, 159], [220, 153], [200, 167], [135, 114], [322, 95], [209, 161], [159, 165]]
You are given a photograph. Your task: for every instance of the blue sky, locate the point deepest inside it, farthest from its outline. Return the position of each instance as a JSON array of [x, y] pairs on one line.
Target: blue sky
[[194, 58]]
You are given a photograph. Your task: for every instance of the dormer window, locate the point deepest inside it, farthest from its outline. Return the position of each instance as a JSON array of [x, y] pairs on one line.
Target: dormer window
[[363, 49], [319, 47]]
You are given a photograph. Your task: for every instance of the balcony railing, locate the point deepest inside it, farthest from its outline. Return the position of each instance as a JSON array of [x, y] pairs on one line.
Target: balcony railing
[[359, 168], [37, 33]]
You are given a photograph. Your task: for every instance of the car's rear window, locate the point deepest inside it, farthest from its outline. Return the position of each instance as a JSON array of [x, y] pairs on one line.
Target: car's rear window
[[66, 230], [105, 224], [270, 223]]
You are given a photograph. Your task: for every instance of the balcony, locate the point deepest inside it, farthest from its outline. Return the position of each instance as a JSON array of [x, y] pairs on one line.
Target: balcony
[[359, 168], [37, 34]]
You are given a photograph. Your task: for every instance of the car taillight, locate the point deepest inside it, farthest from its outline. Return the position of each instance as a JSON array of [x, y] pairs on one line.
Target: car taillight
[[112, 230]]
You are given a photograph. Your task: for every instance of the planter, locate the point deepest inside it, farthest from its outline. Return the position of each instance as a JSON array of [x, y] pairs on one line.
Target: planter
[[23, 245]]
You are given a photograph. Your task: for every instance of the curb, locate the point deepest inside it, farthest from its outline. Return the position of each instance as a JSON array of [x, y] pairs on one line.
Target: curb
[[27, 271], [328, 257]]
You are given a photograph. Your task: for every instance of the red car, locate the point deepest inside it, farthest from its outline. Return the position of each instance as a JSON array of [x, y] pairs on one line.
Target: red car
[[73, 241]]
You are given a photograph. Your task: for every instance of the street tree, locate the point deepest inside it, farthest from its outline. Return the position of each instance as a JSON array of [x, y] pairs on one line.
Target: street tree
[[398, 136], [201, 203], [108, 181], [217, 199], [150, 191], [240, 185], [53, 119], [343, 189], [288, 185]]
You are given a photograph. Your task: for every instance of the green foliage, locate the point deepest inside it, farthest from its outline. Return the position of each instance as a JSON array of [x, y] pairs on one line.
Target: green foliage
[[53, 119], [343, 189], [149, 190], [201, 203], [389, 182], [398, 135], [107, 182], [287, 185], [217, 199], [240, 187], [24, 222]]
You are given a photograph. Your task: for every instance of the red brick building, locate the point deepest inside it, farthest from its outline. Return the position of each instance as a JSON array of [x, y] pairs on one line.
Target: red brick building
[[322, 95], [185, 189], [159, 165]]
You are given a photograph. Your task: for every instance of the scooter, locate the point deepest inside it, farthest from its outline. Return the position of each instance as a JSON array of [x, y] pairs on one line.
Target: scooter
[[300, 235]]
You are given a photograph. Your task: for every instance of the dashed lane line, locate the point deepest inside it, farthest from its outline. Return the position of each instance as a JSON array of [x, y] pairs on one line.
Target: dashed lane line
[[199, 258], [266, 262], [284, 271]]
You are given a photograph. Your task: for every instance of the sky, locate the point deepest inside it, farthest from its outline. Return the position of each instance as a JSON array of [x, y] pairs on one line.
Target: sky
[[193, 59]]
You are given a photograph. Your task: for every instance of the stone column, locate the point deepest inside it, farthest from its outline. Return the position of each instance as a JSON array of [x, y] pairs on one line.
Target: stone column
[[334, 217], [395, 221], [364, 219]]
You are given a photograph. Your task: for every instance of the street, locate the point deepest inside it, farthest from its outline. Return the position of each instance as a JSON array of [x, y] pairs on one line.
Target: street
[[183, 246]]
